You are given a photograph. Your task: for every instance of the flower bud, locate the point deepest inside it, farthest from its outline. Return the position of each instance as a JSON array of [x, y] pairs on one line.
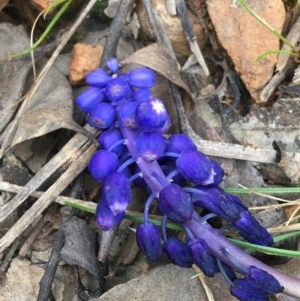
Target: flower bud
[[177, 143], [215, 199], [113, 64], [148, 240], [176, 203], [126, 115], [98, 78], [102, 116], [248, 227], [141, 95], [110, 137], [244, 291], [219, 172], [199, 251], [177, 253], [238, 202], [151, 115], [195, 167], [150, 146], [88, 99], [142, 78], [105, 218], [116, 192], [264, 281], [102, 164], [117, 89], [166, 126]]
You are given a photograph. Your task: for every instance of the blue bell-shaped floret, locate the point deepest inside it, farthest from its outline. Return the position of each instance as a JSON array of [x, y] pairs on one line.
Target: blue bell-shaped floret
[[151, 115], [195, 167], [142, 78], [199, 251], [98, 78], [176, 203], [116, 192], [249, 228], [126, 115], [263, 280], [102, 164], [150, 146], [177, 252], [164, 129], [219, 172], [117, 89], [102, 116], [109, 138], [105, 218], [215, 199], [113, 64], [168, 167], [141, 95], [89, 99], [177, 143], [238, 202], [148, 240], [244, 291], [265, 240]]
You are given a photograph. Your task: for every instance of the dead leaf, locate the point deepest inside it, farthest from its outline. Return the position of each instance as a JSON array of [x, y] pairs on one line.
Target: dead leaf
[[50, 108], [13, 39], [157, 58], [3, 3]]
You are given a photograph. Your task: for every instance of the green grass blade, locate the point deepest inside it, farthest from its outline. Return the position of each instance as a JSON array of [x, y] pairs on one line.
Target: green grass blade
[[264, 54], [270, 190], [45, 33], [262, 21], [53, 5], [267, 250]]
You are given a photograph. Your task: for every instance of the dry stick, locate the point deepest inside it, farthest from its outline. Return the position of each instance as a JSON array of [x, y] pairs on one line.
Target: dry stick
[[67, 36], [46, 171], [115, 31], [189, 33], [46, 199]]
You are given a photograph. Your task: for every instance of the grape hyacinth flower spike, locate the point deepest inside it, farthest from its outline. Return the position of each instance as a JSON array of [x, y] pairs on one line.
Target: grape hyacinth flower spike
[[134, 120]]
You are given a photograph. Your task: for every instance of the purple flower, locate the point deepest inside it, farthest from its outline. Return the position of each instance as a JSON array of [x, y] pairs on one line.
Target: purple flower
[[105, 218], [199, 251], [195, 167], [142, 78], [148, 240], [215, 199], [102, 164], [177, 253], [244, 291], [250, 229], [262, 280], [98, 78], [113, 64], [88, 99], [218, 171], [151, 115], [102, 116], [150, 146], [238, 202], [126, 115], [117, 89], [141, 95], [116, 192], [109, 138], [175, 203], [177, 143]]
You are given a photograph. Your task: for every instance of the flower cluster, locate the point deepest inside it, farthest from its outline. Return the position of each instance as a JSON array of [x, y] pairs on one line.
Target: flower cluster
[[176, 174]]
